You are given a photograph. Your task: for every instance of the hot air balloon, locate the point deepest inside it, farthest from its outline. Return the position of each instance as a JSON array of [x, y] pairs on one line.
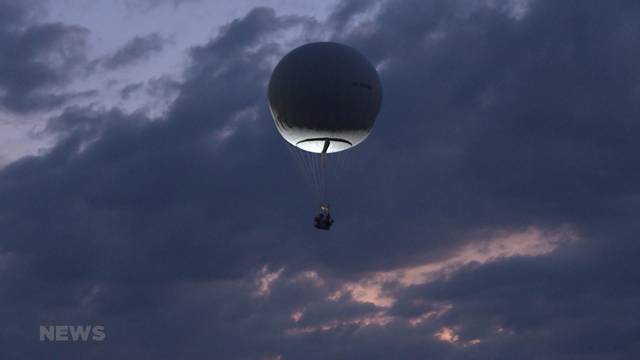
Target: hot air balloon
[[324, 98]]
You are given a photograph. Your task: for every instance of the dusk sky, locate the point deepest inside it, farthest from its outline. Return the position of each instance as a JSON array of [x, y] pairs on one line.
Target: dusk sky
[[493, 212]]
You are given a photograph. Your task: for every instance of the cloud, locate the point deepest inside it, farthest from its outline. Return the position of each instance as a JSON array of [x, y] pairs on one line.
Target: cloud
[[133, 51], [150, 4], [36, 59], [185, 141], [129, 89], [491, 213]]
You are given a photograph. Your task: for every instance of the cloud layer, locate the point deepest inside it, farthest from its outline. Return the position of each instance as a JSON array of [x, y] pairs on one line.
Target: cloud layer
[[137, 49], [490, 215], [36, 59]]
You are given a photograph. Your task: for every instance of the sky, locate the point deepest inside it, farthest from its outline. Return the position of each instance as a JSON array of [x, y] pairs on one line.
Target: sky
[[491, 214]]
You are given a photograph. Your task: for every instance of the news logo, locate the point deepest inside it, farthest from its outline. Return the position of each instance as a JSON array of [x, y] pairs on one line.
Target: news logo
[[72, 333]]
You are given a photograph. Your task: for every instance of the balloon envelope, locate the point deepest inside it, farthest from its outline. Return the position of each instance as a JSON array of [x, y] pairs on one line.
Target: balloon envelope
[[324, 97]]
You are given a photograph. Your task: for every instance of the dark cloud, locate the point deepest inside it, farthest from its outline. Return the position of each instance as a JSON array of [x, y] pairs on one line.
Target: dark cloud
[[129, 89], [189, 235], [163, 87], [36, 58], [571, 303], [191, 138], [147, 5], [135, 50], [346, 11]]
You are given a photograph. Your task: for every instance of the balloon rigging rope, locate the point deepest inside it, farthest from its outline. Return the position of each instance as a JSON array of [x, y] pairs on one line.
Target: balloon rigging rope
[[316, 168], [297, 160], [312, 170], [325, 177], [315, 172], [303, 161], [320, 174]]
